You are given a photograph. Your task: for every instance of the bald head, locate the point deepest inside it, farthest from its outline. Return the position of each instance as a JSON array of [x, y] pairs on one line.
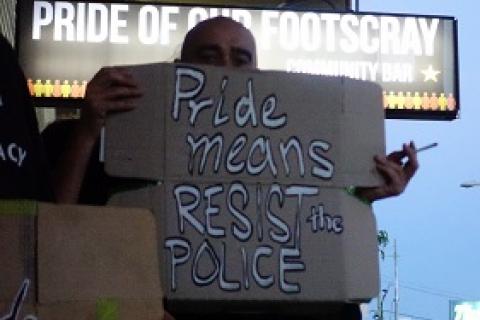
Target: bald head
[[220, 41]]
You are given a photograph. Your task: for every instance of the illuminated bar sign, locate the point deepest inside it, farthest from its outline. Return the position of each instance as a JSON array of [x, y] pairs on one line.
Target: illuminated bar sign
[[414, 58], [464, 310]]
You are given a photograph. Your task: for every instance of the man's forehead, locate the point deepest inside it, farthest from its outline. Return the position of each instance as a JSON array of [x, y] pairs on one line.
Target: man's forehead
[[221, 31]]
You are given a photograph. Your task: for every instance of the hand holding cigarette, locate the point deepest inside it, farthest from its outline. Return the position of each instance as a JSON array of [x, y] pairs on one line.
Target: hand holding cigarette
[[397, 169], [418, 150]]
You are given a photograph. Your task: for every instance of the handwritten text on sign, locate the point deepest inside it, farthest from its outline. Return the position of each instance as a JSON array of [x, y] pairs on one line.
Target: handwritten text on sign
[[253, 167], [269, 215]]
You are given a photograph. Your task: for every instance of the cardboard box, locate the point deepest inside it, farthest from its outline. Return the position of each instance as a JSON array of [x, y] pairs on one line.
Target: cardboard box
[[78, 262], [262, 217]]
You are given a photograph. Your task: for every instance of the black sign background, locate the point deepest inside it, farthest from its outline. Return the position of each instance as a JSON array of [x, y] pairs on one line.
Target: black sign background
[[286, 40]]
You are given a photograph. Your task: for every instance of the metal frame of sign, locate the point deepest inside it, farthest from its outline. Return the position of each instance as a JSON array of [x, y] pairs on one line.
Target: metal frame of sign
[[390, 113]]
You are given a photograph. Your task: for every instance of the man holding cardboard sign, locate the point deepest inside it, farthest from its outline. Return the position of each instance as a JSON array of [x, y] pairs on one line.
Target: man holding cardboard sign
[[218, 41], [224, 42]]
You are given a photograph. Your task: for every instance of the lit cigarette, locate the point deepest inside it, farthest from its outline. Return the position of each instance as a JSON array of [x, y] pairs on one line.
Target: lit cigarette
[[428, 146]]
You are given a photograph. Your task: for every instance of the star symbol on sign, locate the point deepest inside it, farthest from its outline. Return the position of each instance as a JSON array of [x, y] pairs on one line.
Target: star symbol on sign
[[430, 74]]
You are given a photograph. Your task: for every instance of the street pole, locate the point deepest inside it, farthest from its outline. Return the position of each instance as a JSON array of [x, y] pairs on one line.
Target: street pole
[[395, 263], [381, 298], [379, 314]]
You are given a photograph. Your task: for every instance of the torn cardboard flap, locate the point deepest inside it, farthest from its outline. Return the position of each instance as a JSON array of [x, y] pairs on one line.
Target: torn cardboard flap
[[217, 124]]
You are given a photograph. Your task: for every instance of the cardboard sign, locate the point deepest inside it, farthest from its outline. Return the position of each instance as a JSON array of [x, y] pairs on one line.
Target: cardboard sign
[[225, 125], [251, 168], [285, 243], [78, 262]]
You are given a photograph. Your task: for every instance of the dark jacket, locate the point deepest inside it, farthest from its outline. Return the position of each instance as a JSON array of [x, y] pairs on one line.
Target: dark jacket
[[23, 168]]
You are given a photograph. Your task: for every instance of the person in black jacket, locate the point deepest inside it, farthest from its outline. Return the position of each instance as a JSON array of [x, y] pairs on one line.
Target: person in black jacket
[[24, 172]]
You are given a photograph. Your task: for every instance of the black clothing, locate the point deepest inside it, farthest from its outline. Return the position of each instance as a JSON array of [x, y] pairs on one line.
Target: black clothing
[[23, 169], [97, 186], [347, 311], [96, 183]]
